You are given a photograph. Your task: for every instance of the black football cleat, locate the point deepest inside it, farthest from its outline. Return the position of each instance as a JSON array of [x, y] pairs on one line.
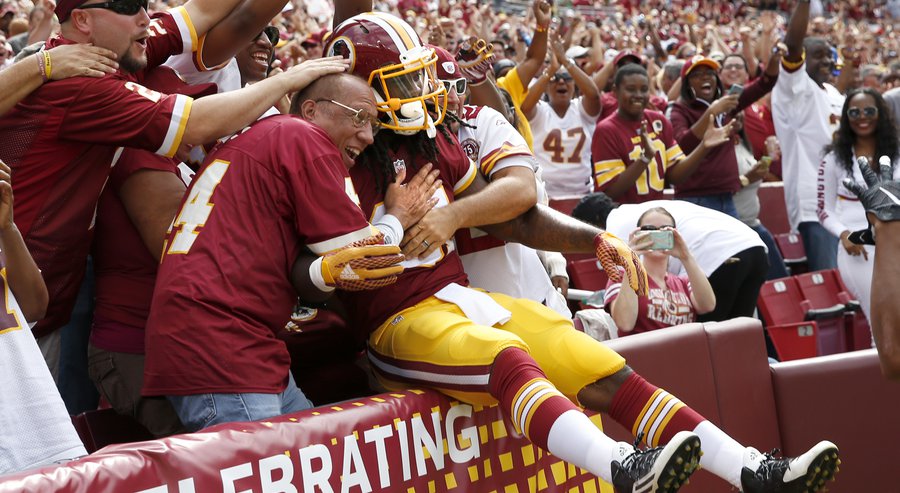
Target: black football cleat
[[661, 469], [807, 473]]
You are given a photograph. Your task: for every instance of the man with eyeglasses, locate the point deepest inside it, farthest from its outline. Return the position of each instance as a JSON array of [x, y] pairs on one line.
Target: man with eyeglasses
[[224, 284], [806, 111], [62, 139]]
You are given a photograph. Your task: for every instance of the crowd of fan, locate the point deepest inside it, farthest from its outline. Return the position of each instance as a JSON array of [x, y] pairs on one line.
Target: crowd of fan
[[579, 57]]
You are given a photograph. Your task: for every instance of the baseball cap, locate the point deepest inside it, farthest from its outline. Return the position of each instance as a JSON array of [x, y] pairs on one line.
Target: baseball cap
[[501, 65], [65, 7], [576, 52], [447, 68], [698, 61], [626, 54]]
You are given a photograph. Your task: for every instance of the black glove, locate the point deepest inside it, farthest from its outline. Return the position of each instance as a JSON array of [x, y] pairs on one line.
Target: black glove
[[882, 198]]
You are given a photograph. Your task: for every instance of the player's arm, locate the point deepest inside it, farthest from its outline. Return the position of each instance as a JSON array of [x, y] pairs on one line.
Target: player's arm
[[233, 33], [22, 275], [21, 78], [885, 286], [511, 192], [218, 115], [151, 199], [345, 9], [544, 228]]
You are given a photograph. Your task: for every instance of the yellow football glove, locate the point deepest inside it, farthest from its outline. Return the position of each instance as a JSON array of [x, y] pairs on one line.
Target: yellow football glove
[[614, 253], [362, 265]]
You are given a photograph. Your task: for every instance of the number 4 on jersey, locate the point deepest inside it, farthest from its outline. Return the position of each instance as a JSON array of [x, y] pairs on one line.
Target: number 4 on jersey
[[197, 208]]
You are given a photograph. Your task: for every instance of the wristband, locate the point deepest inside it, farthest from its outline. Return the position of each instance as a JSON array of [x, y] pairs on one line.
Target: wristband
[[788, 65], [47, 65], [41, 67], [540, 29], [315, 275]]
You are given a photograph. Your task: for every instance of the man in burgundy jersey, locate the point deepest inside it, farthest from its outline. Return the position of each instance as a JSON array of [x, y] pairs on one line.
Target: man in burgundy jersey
[[61, 140], [223, 289]]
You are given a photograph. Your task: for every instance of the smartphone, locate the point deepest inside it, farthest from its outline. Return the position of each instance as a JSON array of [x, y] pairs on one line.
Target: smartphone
[[662, 240], [736, 89]]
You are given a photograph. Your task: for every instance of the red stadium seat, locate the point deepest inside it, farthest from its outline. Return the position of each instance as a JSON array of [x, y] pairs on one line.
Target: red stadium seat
[[782, 306], [586, 274], [773, 213], [791, 247], [826, 290], [565, 205]]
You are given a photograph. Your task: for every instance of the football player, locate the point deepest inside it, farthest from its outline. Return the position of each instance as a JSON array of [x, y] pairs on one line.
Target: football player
[[483, 348]]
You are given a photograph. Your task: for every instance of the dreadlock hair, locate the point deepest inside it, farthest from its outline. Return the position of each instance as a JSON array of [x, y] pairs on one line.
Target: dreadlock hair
[[377, 157], [456, 119], [887, 142]]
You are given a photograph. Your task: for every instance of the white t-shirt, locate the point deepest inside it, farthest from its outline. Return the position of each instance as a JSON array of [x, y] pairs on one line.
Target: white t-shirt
[[509, 268], [563, 148], [711, 236], [35, 428], [805, 117]]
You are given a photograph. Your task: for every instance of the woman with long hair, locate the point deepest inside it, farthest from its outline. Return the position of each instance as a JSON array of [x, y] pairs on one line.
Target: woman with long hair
[[867, 132]]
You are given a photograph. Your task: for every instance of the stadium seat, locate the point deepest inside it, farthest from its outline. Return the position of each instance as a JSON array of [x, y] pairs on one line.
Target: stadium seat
[[785, 311], [586, 274], [565, 205], [773, 213], [103, 427], [825, 289], [791, 247]]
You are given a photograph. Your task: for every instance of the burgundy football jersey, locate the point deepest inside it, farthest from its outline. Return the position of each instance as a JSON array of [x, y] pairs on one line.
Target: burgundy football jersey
[[61, 142], [421, 277], [617, 144], [125, 270], [223, 289]]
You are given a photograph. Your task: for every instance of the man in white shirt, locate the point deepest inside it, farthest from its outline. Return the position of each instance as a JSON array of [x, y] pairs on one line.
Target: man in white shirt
[[806, 111]]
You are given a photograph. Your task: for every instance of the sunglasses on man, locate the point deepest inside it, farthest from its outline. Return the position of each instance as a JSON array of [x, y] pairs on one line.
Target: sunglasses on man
[[562, 76], [122, 7], [272, 33], [459, 85]]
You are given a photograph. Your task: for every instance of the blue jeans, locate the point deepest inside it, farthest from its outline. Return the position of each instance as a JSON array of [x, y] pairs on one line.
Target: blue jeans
[[722, 202], [820, 245], [200, 411], [777, 269], [75, 386]]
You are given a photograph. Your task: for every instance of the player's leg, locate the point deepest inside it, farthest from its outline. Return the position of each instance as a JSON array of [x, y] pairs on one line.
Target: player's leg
[[658, 416], [434, 344], [597, 377]]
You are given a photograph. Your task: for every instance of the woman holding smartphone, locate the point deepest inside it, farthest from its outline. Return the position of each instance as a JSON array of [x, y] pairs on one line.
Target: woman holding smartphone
[[672, 299]]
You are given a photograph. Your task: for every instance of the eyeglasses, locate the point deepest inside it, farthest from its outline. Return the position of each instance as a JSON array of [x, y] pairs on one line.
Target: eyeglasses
[[358, 117], [457, 84], [562, 76], [272, 33], [121, 7], [857, 113]]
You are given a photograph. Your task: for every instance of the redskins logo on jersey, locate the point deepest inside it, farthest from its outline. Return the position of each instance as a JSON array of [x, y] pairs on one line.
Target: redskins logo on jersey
[[471, 148]]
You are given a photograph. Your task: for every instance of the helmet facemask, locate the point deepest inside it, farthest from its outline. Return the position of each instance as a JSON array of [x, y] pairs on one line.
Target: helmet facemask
[[410, 94]]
